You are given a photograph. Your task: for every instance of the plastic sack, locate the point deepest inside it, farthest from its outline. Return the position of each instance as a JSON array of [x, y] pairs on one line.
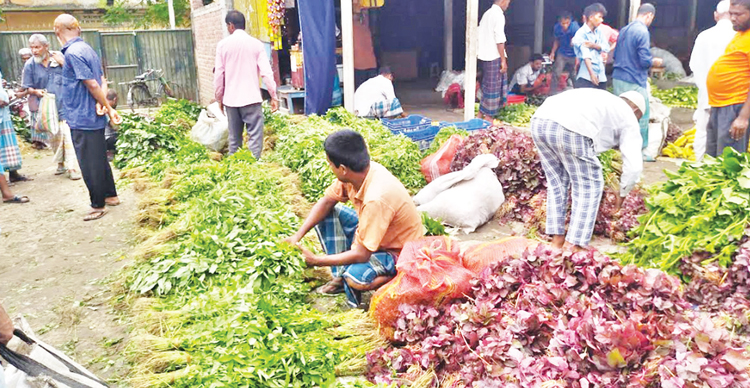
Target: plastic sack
[[483, 255], [439, 163], [46, 119], [212, 129], [430, 273], [465, 199], [46, 367]]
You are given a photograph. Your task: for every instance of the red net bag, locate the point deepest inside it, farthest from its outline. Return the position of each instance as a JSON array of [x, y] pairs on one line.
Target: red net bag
[[429, 273], [481, 256], [439, 163]]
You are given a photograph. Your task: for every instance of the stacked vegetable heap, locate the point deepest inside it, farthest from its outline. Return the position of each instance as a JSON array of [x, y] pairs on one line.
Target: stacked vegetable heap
[[217, 299]]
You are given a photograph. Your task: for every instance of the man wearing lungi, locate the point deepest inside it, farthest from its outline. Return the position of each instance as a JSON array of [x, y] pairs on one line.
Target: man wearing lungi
[[570, 130], [361, 244], [491, 53], [10, 153], [376, 97]]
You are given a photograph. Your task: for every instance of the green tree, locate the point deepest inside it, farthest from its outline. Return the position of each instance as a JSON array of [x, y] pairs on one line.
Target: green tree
[[152, 13]]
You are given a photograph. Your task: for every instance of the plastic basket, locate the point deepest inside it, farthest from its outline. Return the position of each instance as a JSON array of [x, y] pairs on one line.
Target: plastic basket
[[406, 123], [471, 125]]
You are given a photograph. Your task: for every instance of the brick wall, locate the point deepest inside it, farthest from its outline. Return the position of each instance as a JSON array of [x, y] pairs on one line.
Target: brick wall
[[208, 29]]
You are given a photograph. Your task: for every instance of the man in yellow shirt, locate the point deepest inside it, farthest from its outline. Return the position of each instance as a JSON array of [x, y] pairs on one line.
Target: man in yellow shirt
[[363, 244], [728, 88]]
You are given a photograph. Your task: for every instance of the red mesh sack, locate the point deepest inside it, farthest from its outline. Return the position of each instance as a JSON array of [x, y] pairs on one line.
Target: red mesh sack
[[439, 163], [481, 256], [429, 273]]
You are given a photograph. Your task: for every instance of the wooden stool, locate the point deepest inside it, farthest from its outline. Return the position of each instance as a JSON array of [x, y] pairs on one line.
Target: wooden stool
[[287, 95]]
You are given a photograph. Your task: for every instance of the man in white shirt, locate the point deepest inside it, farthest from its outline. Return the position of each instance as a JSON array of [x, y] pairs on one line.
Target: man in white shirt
[[525, 78], [569, 130], [376, 98], [709, 46], [491, 52]]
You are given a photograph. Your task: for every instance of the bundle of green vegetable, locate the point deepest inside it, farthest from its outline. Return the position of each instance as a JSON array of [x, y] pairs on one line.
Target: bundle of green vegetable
[[442, 137], [703, 208], [517, 115], [299, 146], [21, 126], [677, 97], [228, 304]]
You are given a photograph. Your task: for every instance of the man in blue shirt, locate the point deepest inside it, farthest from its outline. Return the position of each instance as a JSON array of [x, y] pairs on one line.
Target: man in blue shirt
[[589, 43], [562, 51], [85, 86], [633, 60]]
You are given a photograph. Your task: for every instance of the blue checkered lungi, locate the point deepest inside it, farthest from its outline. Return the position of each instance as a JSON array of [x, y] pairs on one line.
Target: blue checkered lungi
[[10, 154], [569, 160], [336, 233], [386, 109], [36, 136], [494, 88]]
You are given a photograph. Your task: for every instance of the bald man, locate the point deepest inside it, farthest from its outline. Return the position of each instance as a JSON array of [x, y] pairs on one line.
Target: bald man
[[84, 86]]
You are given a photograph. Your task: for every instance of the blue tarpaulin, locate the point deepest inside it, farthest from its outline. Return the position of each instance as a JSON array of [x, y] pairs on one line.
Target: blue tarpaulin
[[317, 20]]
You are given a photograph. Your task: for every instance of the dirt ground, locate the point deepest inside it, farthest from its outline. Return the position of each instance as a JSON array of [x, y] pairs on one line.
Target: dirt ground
[[56, 269]]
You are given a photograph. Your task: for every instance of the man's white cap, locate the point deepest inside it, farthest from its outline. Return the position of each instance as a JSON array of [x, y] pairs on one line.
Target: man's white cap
[[723, 6], [25, 51], [636, 98]]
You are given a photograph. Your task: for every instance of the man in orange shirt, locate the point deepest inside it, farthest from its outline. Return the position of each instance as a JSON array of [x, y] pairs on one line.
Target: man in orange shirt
[[728, 88], [365, 63], [363, 244]]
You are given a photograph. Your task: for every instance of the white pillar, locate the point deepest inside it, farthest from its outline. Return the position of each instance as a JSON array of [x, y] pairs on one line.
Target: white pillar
[[470, 80], [448, 29], [634, 5], [622, 21], [347, 35], [170, 5], [693, 15], [538, 25]]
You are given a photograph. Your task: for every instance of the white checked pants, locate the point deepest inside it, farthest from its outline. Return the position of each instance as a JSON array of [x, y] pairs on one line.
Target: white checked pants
[[569, 161]]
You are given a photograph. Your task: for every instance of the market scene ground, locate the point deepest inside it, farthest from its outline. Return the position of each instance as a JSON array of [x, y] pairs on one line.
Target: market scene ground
[[582, 221]]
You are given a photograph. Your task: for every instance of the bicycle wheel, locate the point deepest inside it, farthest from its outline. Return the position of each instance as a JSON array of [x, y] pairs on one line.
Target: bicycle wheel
[[139, 95]]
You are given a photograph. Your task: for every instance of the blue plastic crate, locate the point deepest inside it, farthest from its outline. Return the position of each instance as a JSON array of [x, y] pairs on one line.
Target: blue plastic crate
[[471, 125], [423, 136], [410, 122]]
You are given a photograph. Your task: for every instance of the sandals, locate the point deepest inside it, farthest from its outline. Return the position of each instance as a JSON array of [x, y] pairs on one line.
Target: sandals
[[95, 215], [20, 178], [332, 288], [17, 199], [112, 202], [61, 170]]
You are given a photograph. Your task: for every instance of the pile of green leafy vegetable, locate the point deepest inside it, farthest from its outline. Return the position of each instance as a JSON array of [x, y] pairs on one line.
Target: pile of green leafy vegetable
[[677, 97], [22, 128], [517, 115], [702, 209], [442, 136], [299, 146], [228, 300]]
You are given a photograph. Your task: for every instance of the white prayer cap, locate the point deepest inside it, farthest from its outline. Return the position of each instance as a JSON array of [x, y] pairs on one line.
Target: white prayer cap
[[636, 98], [723, 7]]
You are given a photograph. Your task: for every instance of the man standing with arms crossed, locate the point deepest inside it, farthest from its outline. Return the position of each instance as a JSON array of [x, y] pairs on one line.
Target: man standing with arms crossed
[[84, 86], [491, 51], [728, 87], [239, 59], [709, 46], [633, 60]]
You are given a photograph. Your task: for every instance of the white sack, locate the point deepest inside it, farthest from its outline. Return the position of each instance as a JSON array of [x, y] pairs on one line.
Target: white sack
[[465, 199], [212, 129]]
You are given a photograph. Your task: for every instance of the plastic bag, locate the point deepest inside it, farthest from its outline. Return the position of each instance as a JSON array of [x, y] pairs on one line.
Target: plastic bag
[[47, 120], [439, 163], [466, 199], [483, 255], [430, 273], [212, 129]]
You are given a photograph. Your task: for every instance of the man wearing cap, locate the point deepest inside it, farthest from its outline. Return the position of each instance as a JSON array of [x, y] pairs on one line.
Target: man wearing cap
[[569, 136]]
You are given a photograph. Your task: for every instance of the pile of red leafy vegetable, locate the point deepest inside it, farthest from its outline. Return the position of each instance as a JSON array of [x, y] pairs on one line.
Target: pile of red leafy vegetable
[[552, 319]]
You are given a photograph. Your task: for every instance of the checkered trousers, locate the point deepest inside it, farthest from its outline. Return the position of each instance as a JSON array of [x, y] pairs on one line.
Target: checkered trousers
[[569, 161]]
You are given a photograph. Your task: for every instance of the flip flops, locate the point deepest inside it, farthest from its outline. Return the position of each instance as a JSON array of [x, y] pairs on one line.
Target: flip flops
[[17, 199], [95, 215]]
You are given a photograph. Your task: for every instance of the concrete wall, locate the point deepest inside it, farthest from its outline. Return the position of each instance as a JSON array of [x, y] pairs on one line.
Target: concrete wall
[[208, 29]]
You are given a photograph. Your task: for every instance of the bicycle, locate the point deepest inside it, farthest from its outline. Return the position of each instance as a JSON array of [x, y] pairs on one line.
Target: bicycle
[[139, 93]]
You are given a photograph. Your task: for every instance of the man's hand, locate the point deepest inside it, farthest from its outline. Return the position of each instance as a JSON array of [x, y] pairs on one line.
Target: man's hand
[[552, 57], [292, 240], [594, 79], [58, 57], [6, 327], [738, 128], [115, 117], [100, 110], [221, 107], [618, 202], [311, 259], [39, 92], [657, 62], [504, 66], [274, 104]]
